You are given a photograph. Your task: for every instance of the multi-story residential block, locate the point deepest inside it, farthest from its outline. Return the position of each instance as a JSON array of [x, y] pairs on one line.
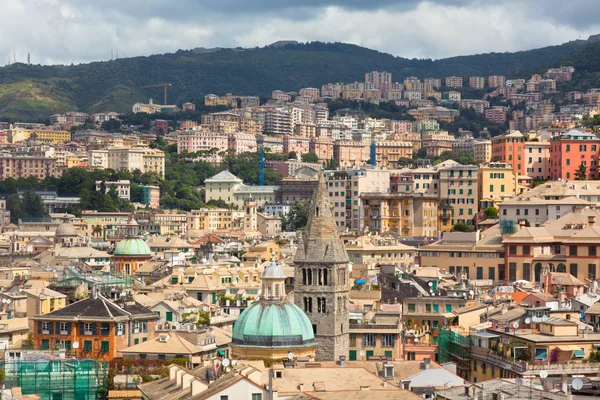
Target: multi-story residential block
[[242, 142], [459, 189], [280, 95], [389, 152], [231, 189], [412, 94], [22, 166], [206, 220], [161, 126], [560, 74], [454, 81], [349, 153], [345, 189], [478, 105], [101, 327], [322, 147], [18, 134], [277, 121], [413, 83], [572, 150], [477, 82], [537, 159], [152, 108], [508, 149], [497, 182], [150, 196], [496, 81], [496, 115], [482, 151], [122, 188], [297, 144], [424, 125], [438, 143], [436, 83], [536, 211], [305, 130], [452, 96], [547, 85], [99, 118], [377, 78]]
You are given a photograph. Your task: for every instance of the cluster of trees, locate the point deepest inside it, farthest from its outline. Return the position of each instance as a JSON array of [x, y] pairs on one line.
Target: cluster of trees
[[297, 217]]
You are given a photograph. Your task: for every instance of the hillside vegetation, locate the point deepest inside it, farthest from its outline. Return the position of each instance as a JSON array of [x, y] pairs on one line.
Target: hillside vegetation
[[34, 91]]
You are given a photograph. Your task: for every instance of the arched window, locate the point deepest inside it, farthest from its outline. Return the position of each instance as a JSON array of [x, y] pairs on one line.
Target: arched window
[[304, 276], [323, 307], [310, 276], [325, 273], [320, 276], [537, 272], [561, 268], [316, 211], [310, 304]]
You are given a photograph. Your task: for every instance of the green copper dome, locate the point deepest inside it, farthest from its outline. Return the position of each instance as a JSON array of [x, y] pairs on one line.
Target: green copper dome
[[273, 324], [132, 247]]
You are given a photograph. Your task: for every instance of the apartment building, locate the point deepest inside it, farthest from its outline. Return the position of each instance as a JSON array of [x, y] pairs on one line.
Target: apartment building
[[508, 149], [322, 147], [378, 78], [297, 144], [482, 151], [537, 159], [536, 211], [477, 82], [23, 166], [496, 81], [571, 150], [206, 220], [438, 143], [277, 121], [435, 83], [144, 159], [454, 81], [242, 142], [478, 105], [122, 188], [200, 140], [351, 153], [345, 189], [497, 182], [389, 152], [19, 134], [459, 190], [496, 115], [310, 93]]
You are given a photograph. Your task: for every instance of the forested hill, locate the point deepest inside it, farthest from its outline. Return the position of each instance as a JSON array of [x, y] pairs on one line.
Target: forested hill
[[33, 91]]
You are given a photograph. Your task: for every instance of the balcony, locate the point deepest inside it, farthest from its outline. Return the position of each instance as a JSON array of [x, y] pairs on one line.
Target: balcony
[[445, 216]]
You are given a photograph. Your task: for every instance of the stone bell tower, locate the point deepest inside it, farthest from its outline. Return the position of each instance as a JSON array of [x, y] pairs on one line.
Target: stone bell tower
[[321, 278]]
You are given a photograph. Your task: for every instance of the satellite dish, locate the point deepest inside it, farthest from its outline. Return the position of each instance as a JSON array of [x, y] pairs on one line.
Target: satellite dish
[[362, 352], [21, 290], [430, 284], [427, 361], [416, 340], [233, 363], [543, 374], [76, 345], [225, 362], [515, 324], [4, 300], [471, 292], [518, 381], [291, 355], [577, 384], [528, 321], [455, 294]]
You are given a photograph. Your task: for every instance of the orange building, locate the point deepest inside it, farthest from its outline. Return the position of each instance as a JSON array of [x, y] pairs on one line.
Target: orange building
[[571, 150], [99, 326], [509, 149], [322, 147]]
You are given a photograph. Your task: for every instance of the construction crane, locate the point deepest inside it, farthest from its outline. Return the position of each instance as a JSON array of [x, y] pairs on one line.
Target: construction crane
[[164, 86]]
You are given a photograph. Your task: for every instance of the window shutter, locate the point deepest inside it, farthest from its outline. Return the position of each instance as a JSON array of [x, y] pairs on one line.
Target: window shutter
[[81, 328], [51, 328], [94, 329], [40, 327], [68, 328]]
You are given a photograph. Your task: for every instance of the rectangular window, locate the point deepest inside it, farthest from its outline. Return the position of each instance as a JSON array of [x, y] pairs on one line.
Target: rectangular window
[[492, 273], [592, 250], [427, 307], [88, 328], [87, 345], [526, 250], [573, 269], [169, 316], [448, 307], [479, 272], [512, 271], [591, 271], [387, 340], [512, 249], [411, 308], [256, 396], [120, 329], [572, 250], [45, 344], [436, 308], [369, 340], [104, 346], [527, 271]]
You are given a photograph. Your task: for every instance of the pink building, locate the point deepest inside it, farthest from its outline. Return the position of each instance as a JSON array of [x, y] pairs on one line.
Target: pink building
[[350, 153], [496, 115], [322, 147], [193, 141], [161, 126], [537, 160], [571, 150], [454, 81], [242, 142], [296, 144], [186, 125]]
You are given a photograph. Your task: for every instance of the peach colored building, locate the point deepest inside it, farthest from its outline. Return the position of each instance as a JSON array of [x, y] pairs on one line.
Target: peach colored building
[[477, 82], [322, 147], [349, 153], [496, 81], [570, 150], [312, 93], [454, 81], [537, 159], [509, 149], [296, 144]]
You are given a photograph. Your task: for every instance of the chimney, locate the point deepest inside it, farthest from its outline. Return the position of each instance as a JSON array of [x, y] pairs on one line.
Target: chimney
[[301, 387], [521, 224], [591, 220]]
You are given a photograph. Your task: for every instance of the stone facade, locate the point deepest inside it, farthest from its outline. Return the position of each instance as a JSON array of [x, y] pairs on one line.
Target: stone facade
[[321, 284]]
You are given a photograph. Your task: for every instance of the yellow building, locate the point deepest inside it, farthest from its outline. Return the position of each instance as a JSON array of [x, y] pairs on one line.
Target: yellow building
[[389, 152], [19, 134], [44, 301], [208, 220], [482, 151], [497, 182]]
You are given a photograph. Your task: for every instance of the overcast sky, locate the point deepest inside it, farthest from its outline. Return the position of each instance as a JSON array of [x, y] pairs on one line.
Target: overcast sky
[[65, 31]]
